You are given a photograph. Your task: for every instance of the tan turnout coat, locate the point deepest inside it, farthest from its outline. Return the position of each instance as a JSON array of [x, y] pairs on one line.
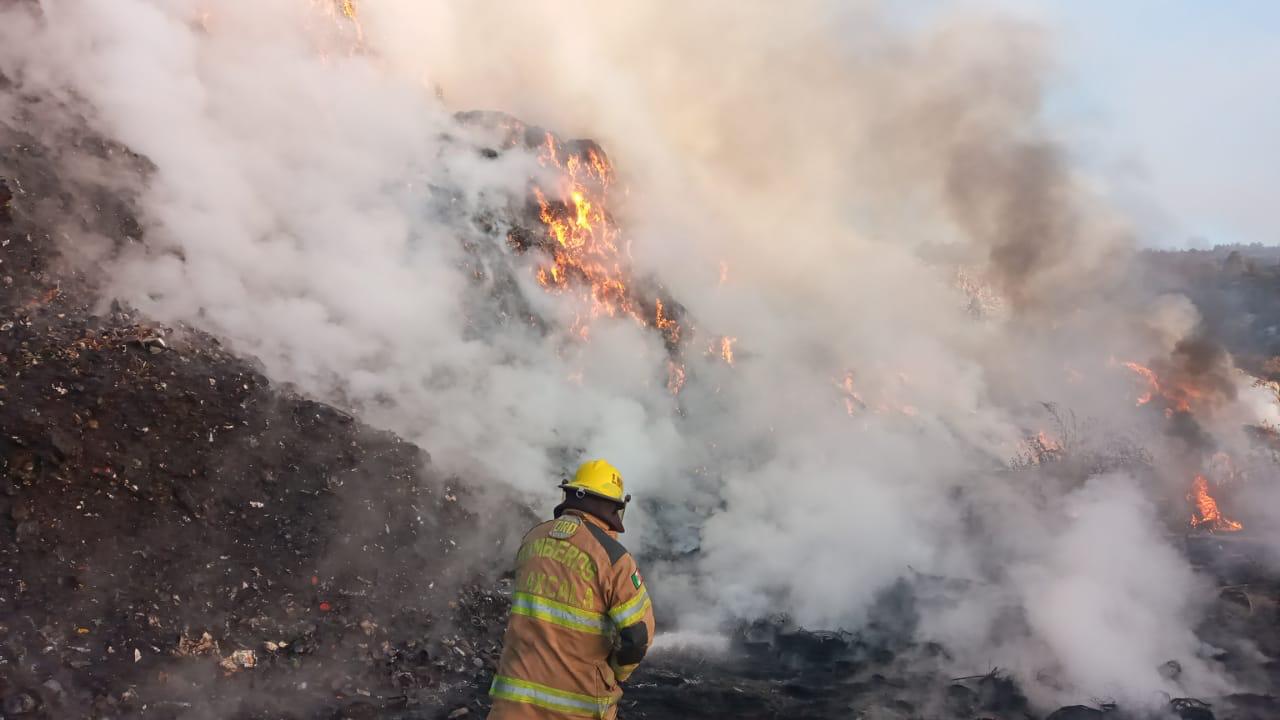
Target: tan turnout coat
[[580, 621]]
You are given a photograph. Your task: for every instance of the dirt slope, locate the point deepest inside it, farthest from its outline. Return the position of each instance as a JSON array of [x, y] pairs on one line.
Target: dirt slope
[[164, 506]]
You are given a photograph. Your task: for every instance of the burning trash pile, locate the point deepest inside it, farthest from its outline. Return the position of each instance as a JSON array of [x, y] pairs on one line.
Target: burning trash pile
[[287, 375], [579, 248], [225, 569]]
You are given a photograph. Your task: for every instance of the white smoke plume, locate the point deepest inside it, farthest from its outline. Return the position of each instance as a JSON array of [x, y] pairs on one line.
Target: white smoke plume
[[805, 177]]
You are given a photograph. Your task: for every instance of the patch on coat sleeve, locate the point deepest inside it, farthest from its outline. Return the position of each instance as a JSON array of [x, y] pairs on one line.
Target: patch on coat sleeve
[[565, 527], [636, 580]]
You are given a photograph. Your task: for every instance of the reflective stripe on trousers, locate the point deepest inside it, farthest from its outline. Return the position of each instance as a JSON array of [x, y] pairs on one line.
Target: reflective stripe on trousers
[[523, 691]]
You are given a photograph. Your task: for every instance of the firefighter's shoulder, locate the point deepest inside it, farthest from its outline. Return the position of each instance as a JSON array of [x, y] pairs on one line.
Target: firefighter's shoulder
[[542, 529], [561, 528], [612, 548]]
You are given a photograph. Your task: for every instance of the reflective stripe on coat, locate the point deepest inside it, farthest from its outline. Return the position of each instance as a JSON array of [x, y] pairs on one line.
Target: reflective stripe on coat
[[576, 589]]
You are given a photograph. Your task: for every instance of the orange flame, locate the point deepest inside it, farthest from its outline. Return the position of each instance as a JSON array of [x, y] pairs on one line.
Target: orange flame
[[852, 399], [1206, 511], [348, 8], [670, 328], [588, 255], [882, 401], [342, 13], [1153, 385], [726, 348], [675, 377], [585, 248], [1044, 440], [1040, 449], [1178, 397]]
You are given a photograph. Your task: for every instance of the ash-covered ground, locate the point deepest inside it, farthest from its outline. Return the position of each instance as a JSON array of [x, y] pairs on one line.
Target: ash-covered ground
[[183, 538]]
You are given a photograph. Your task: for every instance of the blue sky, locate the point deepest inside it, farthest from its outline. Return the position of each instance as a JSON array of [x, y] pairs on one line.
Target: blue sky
[[1175, 105]]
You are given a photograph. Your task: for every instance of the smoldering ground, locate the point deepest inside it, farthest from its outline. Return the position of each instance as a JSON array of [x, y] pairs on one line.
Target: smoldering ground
[[806, 179]]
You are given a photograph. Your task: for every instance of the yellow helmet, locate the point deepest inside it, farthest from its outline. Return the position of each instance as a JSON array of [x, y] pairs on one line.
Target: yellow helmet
[[599, 478]]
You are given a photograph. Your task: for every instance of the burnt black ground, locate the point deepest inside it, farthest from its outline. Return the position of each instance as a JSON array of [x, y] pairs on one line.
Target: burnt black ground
[[180, 537]]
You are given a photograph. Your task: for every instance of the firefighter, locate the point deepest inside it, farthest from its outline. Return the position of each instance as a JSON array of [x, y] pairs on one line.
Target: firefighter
[[581, 619]]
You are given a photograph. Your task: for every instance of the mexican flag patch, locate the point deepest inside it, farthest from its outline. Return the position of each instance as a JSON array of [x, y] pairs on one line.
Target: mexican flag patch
[[635, 579]]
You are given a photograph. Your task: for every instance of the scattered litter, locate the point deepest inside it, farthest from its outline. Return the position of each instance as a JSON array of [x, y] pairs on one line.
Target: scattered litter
[[238, 660], [204, 646], [153, 344]]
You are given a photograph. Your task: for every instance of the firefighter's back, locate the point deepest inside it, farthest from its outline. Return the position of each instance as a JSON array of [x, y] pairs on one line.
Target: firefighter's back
[[555, 659]]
